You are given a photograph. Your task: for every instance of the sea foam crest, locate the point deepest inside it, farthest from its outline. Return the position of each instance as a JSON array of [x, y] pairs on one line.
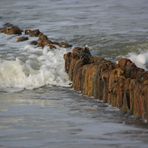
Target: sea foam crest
[[37, 68], [141, 59]]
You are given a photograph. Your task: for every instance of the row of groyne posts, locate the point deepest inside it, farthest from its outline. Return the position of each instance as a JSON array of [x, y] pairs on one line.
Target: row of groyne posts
[[123, 85]]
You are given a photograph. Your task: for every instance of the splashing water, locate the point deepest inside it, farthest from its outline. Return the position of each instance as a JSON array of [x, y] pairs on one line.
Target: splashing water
[[37, 68], [141, 60]]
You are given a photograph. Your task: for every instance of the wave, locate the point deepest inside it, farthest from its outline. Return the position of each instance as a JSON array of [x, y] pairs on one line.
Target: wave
[[38, 67], [141, 59]]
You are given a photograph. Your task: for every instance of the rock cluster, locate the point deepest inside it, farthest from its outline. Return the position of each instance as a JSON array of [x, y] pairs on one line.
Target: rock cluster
[[42, 40], [10, 29], [122, 85], [22, 38]]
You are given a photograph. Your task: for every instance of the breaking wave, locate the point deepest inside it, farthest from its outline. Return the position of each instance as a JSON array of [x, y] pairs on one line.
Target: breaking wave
[[141, 59], [36, 67]]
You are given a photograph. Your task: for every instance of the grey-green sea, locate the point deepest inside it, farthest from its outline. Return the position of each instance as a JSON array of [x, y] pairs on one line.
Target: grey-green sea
[[38, 108]]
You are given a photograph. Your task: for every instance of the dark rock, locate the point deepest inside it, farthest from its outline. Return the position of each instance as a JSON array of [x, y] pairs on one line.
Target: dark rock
[[8, 25], [33, 33], [65, 45], [22, 38], [52, 46], [44, 41], [11, 30], [34, 43]]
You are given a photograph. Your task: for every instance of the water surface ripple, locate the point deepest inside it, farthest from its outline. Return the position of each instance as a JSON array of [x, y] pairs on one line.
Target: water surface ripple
[[58, 117]]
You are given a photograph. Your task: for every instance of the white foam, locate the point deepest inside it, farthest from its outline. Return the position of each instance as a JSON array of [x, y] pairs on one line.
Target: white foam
[[141, 59], [40, 67]]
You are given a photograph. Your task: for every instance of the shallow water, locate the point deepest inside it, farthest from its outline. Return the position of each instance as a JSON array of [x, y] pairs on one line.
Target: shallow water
[[58, 117], [33, 112]]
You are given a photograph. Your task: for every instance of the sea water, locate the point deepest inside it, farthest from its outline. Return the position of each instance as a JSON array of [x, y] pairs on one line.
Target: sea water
[[37, 106]]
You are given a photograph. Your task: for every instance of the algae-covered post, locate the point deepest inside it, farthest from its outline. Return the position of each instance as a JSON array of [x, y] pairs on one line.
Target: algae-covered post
[[122, 85]]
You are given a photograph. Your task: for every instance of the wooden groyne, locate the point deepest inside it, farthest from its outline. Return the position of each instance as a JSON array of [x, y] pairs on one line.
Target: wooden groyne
[[122, 85]]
